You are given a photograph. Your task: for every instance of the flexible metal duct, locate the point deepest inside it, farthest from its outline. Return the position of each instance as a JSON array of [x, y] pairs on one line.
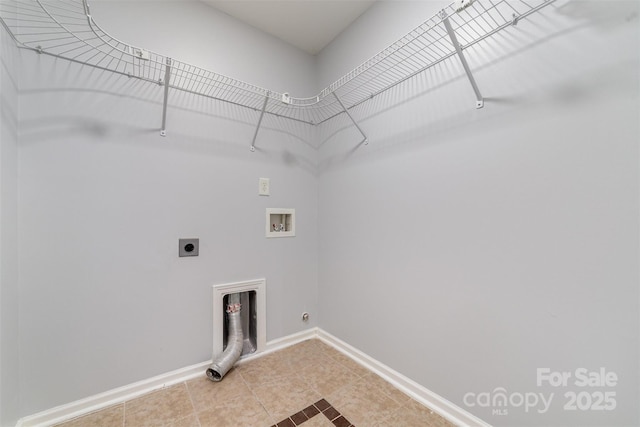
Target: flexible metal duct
[[223, 363]]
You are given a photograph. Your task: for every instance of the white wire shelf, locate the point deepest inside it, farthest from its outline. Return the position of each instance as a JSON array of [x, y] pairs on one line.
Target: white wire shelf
[[66, 29]]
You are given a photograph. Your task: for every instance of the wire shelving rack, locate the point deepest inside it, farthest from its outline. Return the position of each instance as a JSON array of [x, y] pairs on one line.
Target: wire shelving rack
[[66, 29]]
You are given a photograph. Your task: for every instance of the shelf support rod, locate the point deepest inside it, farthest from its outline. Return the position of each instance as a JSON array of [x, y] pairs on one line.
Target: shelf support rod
[[167, 76], [364, 136], [255, 135], [456, 45]]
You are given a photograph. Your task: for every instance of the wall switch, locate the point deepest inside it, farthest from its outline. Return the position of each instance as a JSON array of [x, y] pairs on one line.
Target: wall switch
[[263, 186]]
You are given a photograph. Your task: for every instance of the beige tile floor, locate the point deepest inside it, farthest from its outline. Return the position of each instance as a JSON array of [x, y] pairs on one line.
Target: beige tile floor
[[268, 390]]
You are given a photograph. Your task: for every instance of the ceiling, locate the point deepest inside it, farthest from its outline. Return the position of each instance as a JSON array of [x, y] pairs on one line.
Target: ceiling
[[307, 24]]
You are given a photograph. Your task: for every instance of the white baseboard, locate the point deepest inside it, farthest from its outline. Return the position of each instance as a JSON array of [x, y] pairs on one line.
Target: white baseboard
[[437, 403], [280, 343], [80, 407], [118, 395], [289, 340]]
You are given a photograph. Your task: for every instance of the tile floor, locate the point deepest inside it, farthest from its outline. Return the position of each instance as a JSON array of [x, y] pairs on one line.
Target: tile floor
[[309, 383]]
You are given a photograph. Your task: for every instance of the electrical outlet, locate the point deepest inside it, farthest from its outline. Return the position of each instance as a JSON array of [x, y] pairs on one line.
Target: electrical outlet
[[188, 247], [263, 186]]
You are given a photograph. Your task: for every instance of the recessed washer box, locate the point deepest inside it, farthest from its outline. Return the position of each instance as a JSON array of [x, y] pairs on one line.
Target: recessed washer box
[[280, 222]]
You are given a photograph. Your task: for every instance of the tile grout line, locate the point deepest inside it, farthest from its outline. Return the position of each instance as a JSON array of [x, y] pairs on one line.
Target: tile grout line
[[328, 356], [255, 396], [195, 413], [345, 366], [293, 373]]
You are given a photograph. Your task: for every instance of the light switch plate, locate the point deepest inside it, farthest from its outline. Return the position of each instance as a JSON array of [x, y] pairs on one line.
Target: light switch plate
[[263, 186]]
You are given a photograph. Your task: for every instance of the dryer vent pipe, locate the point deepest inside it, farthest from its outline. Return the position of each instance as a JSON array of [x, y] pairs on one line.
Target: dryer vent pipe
[[223, 363]]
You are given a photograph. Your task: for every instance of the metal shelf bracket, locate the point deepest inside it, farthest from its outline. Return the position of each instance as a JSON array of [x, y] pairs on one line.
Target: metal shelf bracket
[[255, 135], [364, 136], [463, 60], [167, 77]]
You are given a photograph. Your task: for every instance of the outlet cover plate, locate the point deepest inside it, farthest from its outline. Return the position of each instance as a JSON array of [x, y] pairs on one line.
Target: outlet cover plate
[[263, 186], [188, 247]]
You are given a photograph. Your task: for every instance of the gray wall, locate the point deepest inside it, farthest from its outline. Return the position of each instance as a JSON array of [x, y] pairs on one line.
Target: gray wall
[[464, 248], [467, 248], [105, 300], [9, 288]]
